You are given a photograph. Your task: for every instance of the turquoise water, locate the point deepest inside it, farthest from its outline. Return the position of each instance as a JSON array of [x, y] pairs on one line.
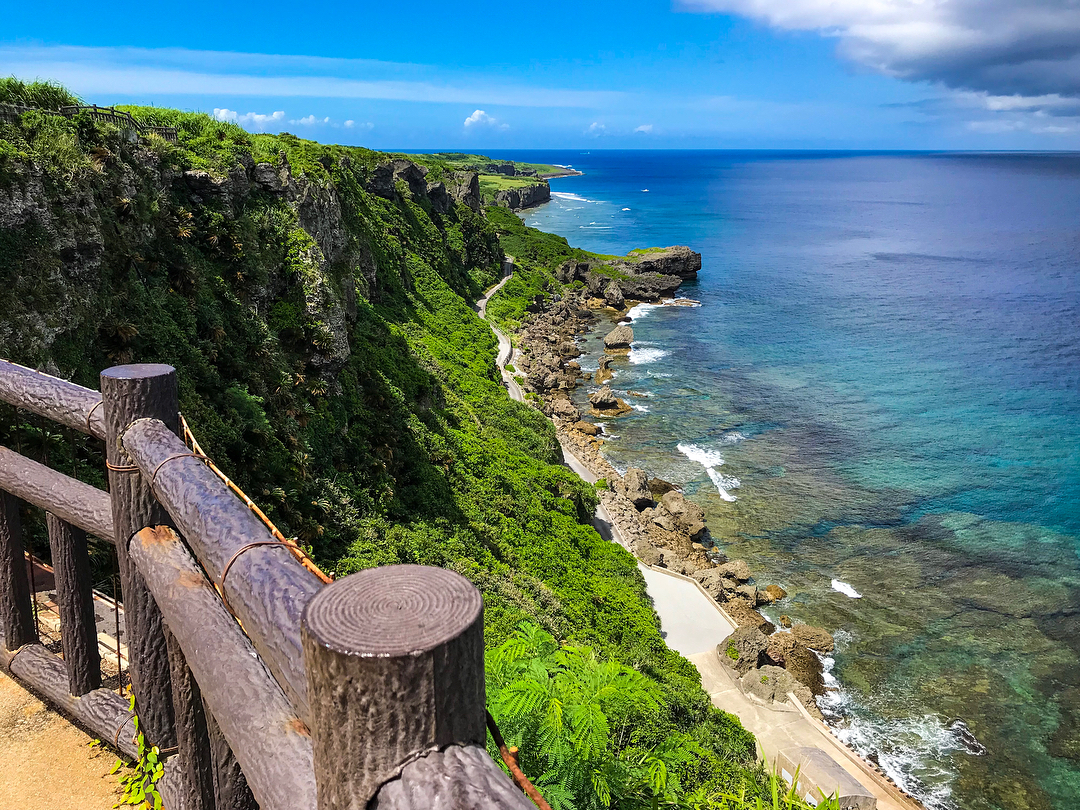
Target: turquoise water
[[882, 389]]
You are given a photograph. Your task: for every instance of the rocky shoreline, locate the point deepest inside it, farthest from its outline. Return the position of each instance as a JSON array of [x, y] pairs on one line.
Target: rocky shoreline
[[655, 521]]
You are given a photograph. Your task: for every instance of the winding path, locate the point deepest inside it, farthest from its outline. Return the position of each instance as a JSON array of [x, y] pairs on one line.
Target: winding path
[[693, 623]]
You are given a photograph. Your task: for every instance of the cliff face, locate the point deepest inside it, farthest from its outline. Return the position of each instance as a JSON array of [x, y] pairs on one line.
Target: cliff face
[[523, 197], [641, 276]]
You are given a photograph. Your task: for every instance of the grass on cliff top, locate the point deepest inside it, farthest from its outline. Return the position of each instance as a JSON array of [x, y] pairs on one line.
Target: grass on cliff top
[[461, 160]]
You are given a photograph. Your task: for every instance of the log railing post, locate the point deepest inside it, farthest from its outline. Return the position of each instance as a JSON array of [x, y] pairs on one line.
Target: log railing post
[[395, 668], [231, 791], [129, 393], [195, 777], [75, 598], [16, 613]]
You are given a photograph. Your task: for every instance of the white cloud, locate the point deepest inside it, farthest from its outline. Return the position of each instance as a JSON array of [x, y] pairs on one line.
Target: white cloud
[[366, 126], [251, 119], [595, 128], [350, 124], [1002, 47], [646, 128], [480, 118], [309, 120]]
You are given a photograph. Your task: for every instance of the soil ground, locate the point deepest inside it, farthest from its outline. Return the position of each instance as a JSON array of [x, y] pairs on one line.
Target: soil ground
[[46, 763]]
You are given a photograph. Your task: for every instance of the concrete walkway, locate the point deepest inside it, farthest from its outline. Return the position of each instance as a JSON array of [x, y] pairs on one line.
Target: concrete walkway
[[693, 623]]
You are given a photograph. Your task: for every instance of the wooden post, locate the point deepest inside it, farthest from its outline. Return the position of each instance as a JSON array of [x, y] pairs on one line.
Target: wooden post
[[129, 393], [16, 613], [75, 598], [395, 666], [231, 791], [195, 776]]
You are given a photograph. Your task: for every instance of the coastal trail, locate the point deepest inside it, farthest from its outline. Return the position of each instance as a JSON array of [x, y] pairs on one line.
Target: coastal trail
[[693, 623]]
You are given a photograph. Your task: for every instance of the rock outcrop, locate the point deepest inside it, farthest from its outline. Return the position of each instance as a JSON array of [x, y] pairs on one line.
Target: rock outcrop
[[605, 403], [523, 196], [619, 338], [635, 485]]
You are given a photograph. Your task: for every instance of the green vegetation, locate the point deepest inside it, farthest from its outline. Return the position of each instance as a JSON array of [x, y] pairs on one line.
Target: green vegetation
[[731, 652], [492, 184], [481, 164], [341, 376], [45, 95]]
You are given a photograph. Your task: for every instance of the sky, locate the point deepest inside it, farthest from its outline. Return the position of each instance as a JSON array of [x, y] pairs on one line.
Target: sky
[[739, 74]]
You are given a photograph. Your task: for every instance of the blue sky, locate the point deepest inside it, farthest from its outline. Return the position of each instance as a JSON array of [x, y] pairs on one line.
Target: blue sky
[[974, 74]]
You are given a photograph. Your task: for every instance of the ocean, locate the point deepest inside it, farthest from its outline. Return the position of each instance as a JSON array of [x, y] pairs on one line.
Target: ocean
[[878, 405]]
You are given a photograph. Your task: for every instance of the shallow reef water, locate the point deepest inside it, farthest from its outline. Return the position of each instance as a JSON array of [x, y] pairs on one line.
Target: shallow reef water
[[887, 362]]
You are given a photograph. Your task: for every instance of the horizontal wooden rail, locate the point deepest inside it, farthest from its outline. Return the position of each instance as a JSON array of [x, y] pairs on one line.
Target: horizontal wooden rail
[[462, 776], [266, 587], [270, 742], [70, 500], [59, 400], [103, 713]]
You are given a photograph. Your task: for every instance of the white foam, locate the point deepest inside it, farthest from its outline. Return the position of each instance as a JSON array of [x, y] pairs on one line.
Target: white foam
[[703, 456], [641, 310], [569, 195], [641, 408], [626, 209], [732, 437], [644, 189], [643, 355], [845, 589], [723, 483]]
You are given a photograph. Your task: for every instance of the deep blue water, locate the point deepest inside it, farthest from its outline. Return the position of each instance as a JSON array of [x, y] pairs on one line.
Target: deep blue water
[[885, 375]]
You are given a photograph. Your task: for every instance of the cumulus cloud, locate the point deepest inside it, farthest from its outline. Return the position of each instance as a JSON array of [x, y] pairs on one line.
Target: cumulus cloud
[[252, 119], [595, 128], [366, 126], [309, 120], [1026, 48], [646, 128], [480, 118]]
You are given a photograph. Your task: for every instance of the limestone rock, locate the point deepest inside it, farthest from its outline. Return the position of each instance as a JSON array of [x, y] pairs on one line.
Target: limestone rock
[[614, 296], [605, 403], [775, 592], [689, 515], [636, 487], [780, 644], [744, 615], [785, 621], [588, 428], [813, 637], [742, 649], [737, 570], [768, 683], [440, 199], [748, 592], [619, 338], [564, 409], [604, 372], [659, 487], [806, 667]]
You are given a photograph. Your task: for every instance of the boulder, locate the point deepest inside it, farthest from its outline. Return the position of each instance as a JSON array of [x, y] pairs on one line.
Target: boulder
[[614, 296], [744, 615], [813, 637], [775, 592], [780, 644], [659, 487], [691, 517], [662, 518], [605, 403], [742, 649], [737, 570], [806, 667], [785, 621], [748, 592], [564, 409], [619, 338], [588, 428], [768, 683], [604, 372], [710, 580], [636, 488]]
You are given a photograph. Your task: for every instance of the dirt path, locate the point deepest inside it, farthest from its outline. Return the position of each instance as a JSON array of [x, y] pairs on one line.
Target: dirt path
[[45, 762]]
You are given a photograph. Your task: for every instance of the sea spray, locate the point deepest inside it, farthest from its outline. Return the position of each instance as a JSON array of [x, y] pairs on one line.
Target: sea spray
[[710, 460], [845, 589], [641, 355]]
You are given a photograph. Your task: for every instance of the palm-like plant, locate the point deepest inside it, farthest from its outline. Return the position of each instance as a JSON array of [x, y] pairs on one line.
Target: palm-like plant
[[574, 719]]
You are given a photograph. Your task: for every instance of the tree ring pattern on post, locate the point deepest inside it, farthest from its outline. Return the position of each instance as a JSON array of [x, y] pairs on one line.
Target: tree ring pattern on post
[[395, 670], [393, 610]]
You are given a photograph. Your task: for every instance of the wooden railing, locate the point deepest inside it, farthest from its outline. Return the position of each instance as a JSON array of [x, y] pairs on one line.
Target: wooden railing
[[263, 685], [111, 115]]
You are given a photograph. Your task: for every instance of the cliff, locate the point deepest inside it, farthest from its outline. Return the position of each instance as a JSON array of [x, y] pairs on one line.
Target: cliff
[[316, 302], [523, 196]]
